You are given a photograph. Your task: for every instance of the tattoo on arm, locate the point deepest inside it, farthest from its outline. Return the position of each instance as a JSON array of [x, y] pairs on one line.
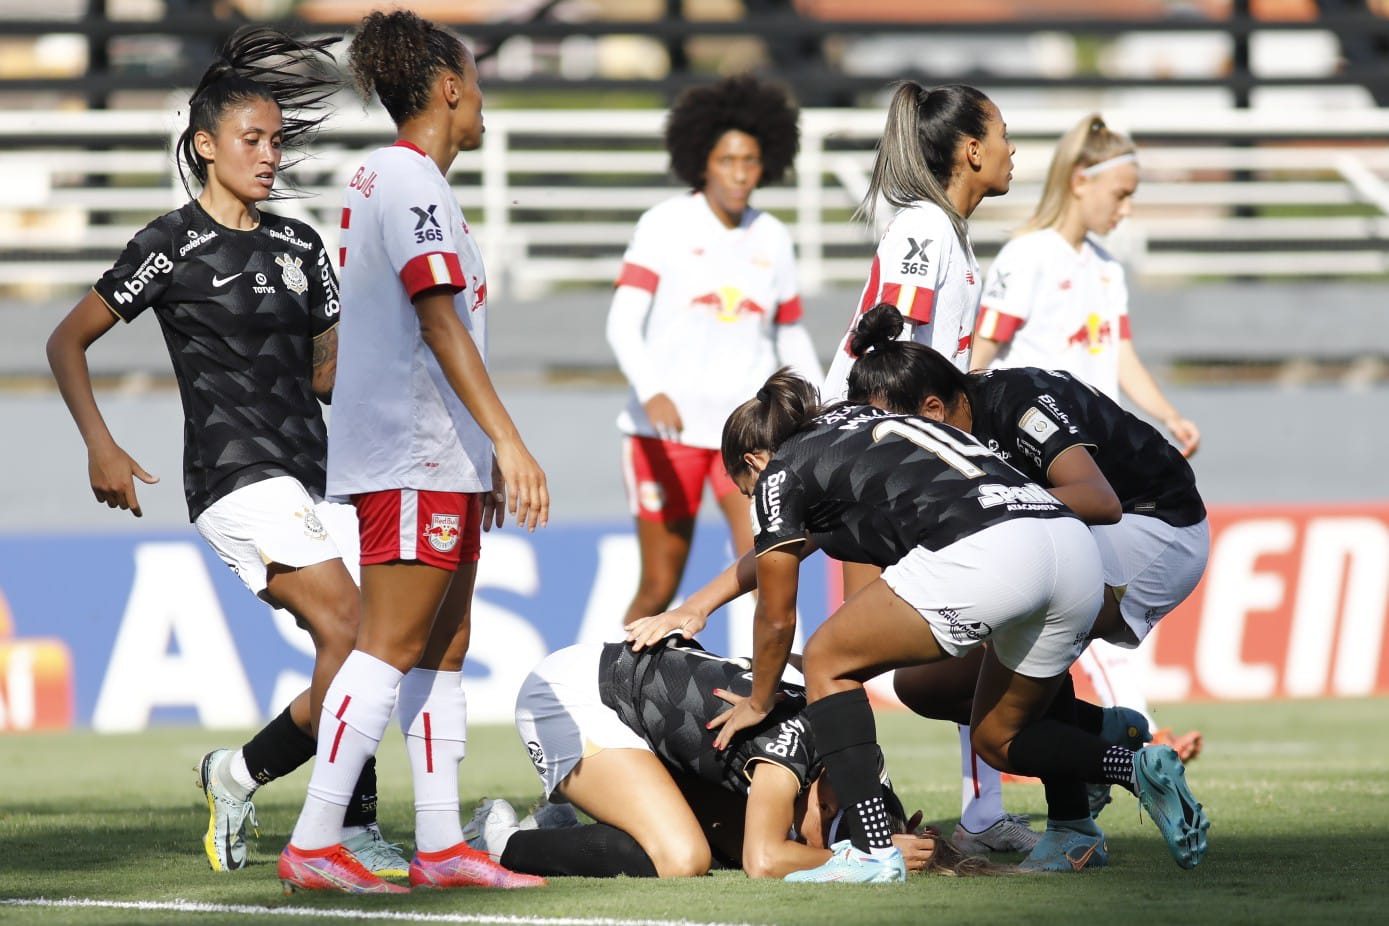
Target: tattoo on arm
[[325, 363]]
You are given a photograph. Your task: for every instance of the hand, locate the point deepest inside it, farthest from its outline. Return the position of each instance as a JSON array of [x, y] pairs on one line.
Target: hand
[[110, 470], [523, 485], [494, 500], [917, 848], [664, 416], [647, 631], [1185, 432], [731, 722]]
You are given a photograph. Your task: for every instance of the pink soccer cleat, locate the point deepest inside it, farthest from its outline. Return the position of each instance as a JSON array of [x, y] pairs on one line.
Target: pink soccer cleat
[[462, 866], [330, 869]]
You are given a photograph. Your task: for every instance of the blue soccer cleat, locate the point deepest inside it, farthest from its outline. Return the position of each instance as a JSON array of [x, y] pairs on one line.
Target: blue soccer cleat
[[850, 866], [1062, 849], [1160, 781]]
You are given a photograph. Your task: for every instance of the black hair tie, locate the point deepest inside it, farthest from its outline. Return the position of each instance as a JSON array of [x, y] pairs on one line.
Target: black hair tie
[[764, 396]]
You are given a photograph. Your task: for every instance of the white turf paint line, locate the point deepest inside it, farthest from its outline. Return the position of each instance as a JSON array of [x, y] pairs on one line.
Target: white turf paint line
[[187, 906]]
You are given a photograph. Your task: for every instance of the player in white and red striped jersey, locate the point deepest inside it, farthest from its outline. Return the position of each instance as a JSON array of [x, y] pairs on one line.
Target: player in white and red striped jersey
[[942, 152], [426, 452], [705, 308], [1050, 304]]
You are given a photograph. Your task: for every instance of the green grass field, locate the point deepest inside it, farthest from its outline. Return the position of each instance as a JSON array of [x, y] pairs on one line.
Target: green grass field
[[1298, 794]]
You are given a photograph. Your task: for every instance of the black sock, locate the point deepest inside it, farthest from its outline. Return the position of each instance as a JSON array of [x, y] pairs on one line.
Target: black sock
[[1089, 717], [361, 807], [596, 850], [1118, 766], [1050, 748], [846, 737], [278, 749]]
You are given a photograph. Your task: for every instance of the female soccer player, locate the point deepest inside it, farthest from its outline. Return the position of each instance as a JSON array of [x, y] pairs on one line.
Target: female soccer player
[[942, 152], [1112, 469], [1056, 299], [972, 551], [425, 450], [706, 307], [625, 737], [248, 304]]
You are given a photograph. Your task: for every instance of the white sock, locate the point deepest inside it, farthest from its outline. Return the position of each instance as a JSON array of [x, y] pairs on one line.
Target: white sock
[[981, 788], [1117, 678], [236, 777], [356, 712], [434, 718]]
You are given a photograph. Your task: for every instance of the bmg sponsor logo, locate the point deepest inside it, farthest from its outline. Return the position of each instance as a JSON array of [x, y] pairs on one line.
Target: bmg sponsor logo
[[151, 267]]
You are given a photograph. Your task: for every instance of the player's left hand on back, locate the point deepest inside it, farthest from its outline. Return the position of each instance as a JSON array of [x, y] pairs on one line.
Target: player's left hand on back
[[739, 717]]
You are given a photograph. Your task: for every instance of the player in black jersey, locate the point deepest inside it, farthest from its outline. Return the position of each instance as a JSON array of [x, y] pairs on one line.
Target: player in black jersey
[[625, 737], [248, 304], [972, 551], [1119, 474]]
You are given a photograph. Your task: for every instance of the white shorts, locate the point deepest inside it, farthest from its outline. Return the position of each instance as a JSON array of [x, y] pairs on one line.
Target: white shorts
[[1030, 588], [277, 520], [561, 718], [1152, 566]]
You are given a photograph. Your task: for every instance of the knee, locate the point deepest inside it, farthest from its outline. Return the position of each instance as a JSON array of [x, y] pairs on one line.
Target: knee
[[992, 743], [684, 859]]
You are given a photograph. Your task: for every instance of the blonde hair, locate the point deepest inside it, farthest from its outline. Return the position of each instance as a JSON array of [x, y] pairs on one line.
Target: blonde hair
[[1088, 143], [916, 156]]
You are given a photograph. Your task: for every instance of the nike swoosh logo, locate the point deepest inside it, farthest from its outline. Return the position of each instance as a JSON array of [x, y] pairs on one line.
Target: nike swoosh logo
[[223, 281], [1079, 863]]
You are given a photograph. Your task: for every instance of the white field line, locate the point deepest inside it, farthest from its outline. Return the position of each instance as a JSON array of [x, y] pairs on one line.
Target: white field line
[[186, 906]]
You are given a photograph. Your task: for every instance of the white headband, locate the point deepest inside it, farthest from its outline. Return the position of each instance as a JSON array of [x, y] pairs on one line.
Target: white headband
[[1103, 166]]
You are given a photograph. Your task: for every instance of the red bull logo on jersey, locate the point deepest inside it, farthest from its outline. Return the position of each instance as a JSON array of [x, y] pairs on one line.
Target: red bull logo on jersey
[[442, 532], [728, 304], [1093, 335]]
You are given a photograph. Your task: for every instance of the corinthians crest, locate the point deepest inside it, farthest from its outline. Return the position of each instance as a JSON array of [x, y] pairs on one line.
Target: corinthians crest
[[293, 275]]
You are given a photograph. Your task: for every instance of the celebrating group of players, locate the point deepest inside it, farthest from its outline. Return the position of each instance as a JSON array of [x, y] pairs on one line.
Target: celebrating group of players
[[991, 525]]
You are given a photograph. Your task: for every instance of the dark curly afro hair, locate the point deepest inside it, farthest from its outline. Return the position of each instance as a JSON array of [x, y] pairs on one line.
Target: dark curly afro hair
[[702, 115]]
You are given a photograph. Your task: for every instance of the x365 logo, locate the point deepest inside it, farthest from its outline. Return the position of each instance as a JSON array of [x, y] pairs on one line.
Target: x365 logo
[[916, 262], [426, 225]]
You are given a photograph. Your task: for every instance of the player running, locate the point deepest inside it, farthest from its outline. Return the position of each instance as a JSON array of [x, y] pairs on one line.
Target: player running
[[248, 303], [427, 453], [625, 737], [1112, 469], [705, 308], [972, 551]]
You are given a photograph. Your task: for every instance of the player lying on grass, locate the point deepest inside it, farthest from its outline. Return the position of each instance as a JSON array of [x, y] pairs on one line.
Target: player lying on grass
[[972, 551], [1116, 472], [625, 736]]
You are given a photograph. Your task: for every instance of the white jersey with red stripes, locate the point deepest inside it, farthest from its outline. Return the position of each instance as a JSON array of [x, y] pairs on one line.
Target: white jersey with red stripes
[[396, 422], [922, 268], [1052, 306], [717, 295]]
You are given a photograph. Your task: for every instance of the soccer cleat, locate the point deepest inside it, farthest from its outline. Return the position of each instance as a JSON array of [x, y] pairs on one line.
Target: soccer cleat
[[1187, 746], [491, 826], [1066, 850], [547, 816], [1160, 781], [225, 841], [1008, 834], [377, 856], [850, 866], [463, 866], [330, 869], [1098, 797]]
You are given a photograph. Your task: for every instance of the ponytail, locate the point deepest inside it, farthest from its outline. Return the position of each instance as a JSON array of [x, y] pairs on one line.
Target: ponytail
[[898, 375], [784, 405]]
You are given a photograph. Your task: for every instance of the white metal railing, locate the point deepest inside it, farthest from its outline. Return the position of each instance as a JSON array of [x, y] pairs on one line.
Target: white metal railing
[[1222, 201]]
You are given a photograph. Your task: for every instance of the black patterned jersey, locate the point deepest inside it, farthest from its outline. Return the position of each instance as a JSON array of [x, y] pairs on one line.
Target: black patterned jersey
[[666, 694], [1028, 416], [239, 311], [868, 486]]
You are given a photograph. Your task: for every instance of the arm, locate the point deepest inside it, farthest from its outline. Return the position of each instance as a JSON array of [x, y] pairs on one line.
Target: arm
[[626, 317], [767, 853], [773, 631], [325, 365], [528, 496], [108, 466], [982, 353], [1138, 384], [1078, 482]]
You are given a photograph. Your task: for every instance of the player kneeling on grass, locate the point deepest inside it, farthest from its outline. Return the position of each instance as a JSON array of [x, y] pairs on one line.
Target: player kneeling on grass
[[972, 551], [625, 736]]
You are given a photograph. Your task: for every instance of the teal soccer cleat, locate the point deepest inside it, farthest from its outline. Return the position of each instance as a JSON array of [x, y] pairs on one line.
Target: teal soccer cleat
[[1160, 781], [1062, 849], [850, 866]]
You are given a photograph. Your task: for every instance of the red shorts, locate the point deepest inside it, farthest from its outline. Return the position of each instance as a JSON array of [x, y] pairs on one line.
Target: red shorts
[[665, 480], [438, 528]]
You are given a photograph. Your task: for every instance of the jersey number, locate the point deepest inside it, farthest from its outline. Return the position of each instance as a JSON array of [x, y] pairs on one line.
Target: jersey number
[[937, 441]]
